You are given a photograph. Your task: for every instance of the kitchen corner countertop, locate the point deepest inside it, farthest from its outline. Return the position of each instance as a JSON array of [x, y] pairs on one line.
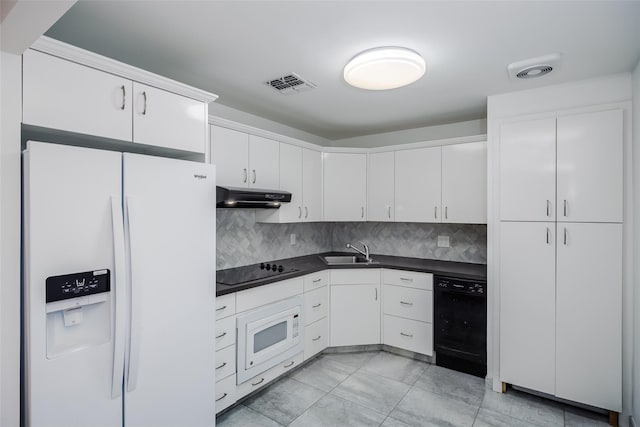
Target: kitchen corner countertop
[[313, 263]]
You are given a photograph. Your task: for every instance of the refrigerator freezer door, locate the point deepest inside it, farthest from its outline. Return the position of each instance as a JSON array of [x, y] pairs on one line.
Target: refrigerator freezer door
[[69, 342], [170, 227]]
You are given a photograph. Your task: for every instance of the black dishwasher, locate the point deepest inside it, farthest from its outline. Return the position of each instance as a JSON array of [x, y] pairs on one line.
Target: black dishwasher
[[460, 323]]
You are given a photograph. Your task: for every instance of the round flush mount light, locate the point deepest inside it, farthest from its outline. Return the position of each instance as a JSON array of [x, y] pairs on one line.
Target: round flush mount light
[[384, 68]]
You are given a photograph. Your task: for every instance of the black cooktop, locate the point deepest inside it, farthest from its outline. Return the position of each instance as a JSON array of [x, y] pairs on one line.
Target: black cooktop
[[250, 273]]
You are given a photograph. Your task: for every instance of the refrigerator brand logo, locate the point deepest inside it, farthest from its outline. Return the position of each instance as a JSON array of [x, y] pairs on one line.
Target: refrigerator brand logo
[[195, 175]]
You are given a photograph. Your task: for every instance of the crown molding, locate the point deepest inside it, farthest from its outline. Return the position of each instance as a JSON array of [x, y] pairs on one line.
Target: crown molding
[[84, 57]]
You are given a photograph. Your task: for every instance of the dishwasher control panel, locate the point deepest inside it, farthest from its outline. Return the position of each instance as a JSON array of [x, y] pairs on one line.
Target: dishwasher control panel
[[461, 285]]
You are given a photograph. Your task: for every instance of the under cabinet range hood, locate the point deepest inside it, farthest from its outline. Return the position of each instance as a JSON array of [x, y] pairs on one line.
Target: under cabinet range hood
[[233, 197]]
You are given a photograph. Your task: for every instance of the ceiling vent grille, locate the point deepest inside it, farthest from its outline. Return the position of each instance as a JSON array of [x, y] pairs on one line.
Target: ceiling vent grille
[[534, 67], [291, 83]]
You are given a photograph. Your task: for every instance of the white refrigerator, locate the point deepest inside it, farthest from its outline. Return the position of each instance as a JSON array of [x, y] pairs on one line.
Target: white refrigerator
[[119, 289]]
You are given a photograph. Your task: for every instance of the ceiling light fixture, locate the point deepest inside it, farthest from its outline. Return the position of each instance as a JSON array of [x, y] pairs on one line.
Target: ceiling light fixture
[[384, 68]]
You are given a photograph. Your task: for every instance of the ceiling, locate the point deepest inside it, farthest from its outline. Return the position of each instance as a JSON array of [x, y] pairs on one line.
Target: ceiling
[[232, 48]]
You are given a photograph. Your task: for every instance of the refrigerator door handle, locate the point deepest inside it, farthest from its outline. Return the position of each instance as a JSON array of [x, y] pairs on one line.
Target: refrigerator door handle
[[134, 334], [118, 295]]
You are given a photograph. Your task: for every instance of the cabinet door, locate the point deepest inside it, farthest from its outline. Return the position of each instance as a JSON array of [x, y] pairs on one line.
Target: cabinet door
[[418, 185], [590, 167], [527, 305], [345, 186], [165, 119], [464, 183], [528, 170], [264, 163], [63, 95], [589, 319], [230, 152], [380, 183], [355, 314], [312, 184], [291, 181]]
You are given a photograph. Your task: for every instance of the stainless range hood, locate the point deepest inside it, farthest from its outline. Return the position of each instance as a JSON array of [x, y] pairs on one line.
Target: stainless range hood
[[234, 197]]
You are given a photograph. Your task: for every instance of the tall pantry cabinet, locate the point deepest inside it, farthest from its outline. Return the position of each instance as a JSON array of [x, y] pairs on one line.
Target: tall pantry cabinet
[[561, 204]]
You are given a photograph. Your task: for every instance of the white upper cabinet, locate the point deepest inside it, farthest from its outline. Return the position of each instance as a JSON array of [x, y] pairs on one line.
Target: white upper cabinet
[[244, 160], [312, 184], [63, 95], [264, 161], [68, 96], [418, 185], [590, 167], [345, 186], [230, 154], [168, 120], [464, 183], [380, 186], [528, 171]]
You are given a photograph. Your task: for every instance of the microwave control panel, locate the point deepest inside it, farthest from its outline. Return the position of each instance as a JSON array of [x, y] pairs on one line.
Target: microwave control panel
[[295, 325], [67, 286]]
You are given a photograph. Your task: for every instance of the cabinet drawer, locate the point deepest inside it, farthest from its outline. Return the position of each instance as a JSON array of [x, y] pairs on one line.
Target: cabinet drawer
[[355, 277], [409, 279], [316, 305], [316, 280], [225, 332], [267, 376], [316, 337], [252, 298], [408, 334], [225, 393], [225, 306], [410, 303], [225, 362]]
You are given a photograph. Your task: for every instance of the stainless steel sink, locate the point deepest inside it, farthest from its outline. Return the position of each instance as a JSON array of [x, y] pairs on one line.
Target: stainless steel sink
[[345, 259]]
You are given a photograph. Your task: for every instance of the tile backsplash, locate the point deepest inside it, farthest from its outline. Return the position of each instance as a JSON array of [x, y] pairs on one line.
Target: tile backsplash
[[242, 241]]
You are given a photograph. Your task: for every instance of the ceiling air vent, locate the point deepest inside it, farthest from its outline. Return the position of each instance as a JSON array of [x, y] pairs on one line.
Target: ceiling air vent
[[534, 67], [291, 83]]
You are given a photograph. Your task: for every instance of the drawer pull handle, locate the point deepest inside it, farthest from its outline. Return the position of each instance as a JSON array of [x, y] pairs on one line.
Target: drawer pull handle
[[288, 365], [221, 308], [406, 279], [259, 382], [144, 111], [306, 212], [245, 175], [406, 303], [222, 366], [317, 305], [317, 280], [406, 335], [317, 338], [221, 335], [221, 397]]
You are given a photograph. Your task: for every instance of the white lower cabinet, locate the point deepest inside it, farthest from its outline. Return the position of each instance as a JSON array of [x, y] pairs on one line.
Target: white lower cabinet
[[409, 303], [408, 334], [316, 337], [316, 305], [226, 362], [225, 332], [266, 377], [225, 393], [355, 307]]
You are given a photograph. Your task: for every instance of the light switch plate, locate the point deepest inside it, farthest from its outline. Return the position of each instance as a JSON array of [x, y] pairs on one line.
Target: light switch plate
[[444, 242], [292, 238]]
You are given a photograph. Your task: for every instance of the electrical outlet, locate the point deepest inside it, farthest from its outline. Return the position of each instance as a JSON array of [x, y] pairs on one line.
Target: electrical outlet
[[444, 242], [292, 238]]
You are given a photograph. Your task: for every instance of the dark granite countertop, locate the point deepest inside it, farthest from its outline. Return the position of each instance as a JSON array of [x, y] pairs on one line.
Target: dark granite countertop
[[312, 263]]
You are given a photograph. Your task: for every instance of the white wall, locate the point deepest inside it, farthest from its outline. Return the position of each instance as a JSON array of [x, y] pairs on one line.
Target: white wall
[[430, 133], [10, 118], [614, 91], [636, 253], [222, 111]]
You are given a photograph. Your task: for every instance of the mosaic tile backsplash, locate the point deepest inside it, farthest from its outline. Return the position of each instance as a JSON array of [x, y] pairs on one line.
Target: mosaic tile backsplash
[[242, 241]]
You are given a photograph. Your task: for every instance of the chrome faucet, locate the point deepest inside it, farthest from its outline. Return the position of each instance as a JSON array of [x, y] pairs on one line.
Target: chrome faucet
[[365, 252]]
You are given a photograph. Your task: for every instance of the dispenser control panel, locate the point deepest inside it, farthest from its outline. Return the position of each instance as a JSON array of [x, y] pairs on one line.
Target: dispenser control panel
[[76, 285]]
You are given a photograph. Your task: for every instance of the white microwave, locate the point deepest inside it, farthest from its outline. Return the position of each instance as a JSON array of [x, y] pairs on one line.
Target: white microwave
[[269, 335]]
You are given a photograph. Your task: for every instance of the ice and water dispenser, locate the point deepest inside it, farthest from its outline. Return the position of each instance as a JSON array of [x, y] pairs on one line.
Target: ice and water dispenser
[[78, 310]]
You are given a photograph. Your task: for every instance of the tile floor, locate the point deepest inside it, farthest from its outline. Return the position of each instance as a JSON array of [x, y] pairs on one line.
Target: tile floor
[[383, 389]]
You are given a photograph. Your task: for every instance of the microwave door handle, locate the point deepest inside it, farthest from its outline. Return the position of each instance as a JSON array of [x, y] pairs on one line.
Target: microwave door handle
[[118, 291]]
